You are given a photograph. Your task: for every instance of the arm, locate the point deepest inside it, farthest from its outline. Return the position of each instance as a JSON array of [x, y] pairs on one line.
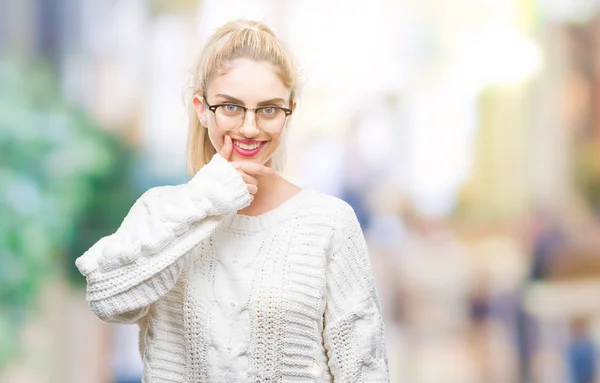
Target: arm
[[141, 262], [353, 331]]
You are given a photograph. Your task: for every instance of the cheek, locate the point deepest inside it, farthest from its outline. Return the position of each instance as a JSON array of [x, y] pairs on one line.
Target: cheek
[[275, 142], [215, 137]]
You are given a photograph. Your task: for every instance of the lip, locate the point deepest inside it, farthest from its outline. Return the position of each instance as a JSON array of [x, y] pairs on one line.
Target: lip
[[248, 153]]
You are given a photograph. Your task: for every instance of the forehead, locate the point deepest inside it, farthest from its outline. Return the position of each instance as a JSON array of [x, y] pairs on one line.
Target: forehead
[[250, 81]]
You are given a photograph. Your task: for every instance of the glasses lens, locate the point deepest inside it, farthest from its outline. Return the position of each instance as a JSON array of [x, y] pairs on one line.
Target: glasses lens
[[229, 117], [270, 119]]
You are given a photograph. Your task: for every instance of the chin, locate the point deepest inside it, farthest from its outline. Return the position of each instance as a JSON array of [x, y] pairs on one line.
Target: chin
[[258, 160]]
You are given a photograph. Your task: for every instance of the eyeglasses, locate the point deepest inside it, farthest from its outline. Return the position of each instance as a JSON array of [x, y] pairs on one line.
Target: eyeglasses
[[270, 119]]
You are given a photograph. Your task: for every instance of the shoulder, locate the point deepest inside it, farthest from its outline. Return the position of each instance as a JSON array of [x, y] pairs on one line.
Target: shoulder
[[327, 206], [333, 212]]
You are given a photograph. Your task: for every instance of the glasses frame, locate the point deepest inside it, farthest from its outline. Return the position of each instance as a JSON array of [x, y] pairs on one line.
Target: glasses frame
[[213, 108]]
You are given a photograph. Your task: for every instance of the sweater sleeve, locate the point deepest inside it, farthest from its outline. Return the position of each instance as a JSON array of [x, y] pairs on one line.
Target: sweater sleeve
[[353, 330], [141, 262]]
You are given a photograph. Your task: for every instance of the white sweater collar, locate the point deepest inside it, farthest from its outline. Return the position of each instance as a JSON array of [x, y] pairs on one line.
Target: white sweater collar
[[265, 221]]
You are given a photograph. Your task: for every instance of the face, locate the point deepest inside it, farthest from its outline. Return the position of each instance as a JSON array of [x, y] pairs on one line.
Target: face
[[250, 84]]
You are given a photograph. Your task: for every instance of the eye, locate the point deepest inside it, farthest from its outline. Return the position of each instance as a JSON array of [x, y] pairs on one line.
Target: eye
[[270, 112], [231, 108]]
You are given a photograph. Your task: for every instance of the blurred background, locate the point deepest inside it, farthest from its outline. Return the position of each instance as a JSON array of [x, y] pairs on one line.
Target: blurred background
[[465, 134]]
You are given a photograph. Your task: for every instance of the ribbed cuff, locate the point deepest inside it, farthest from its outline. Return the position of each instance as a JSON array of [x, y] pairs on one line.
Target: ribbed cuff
[[137, 297], [222, 185]]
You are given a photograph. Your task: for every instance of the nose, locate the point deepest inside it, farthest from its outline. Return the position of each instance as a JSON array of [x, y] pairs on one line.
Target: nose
[[249, 128]]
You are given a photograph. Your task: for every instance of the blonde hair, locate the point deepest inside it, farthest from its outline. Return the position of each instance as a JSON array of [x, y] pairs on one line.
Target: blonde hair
[[234, 40]]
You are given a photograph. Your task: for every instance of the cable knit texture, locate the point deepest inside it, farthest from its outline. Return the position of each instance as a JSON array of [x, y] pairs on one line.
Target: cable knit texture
[[287, 296]]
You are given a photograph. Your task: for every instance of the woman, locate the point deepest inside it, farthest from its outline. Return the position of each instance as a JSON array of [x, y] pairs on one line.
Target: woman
[[239, 275]]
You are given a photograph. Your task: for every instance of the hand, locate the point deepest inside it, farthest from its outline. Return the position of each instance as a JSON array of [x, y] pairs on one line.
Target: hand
[[248, 170]]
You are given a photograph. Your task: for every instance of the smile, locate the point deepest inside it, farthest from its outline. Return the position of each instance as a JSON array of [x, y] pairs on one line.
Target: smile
[[249, 148]]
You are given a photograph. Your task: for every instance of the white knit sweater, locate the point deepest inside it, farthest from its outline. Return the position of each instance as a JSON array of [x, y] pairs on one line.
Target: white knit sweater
[[287, 296]]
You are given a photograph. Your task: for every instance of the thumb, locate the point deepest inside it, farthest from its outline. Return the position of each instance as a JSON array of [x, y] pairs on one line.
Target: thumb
[[227, 148]]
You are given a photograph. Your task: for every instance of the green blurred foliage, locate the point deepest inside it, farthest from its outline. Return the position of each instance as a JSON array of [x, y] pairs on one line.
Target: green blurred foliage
[[64, 183], [587, 174]]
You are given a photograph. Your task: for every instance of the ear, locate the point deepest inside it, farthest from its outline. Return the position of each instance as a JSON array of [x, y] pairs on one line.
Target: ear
[[294, 106], [200, 109]]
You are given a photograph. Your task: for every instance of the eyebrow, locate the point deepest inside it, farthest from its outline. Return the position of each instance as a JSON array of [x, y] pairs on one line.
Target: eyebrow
[[273, 101]]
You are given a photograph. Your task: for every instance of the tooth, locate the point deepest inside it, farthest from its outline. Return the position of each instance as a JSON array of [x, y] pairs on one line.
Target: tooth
[[246, 146]]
